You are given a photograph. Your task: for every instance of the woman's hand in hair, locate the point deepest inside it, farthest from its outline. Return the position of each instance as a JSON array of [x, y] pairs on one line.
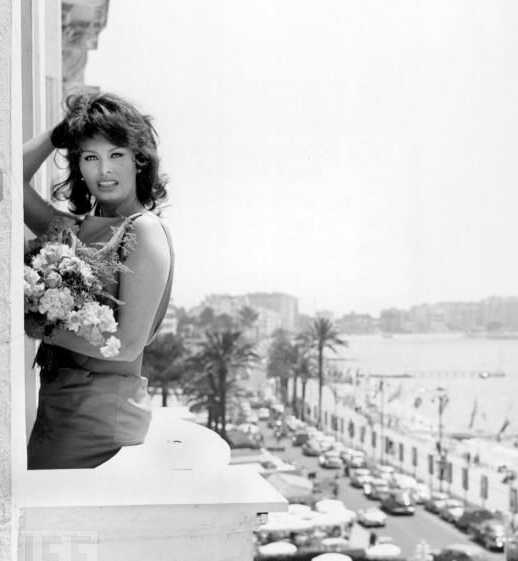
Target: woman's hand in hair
[[60, 135]]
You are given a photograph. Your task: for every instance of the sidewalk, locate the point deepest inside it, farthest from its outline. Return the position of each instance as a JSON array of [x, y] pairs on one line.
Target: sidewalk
[[412, 454]]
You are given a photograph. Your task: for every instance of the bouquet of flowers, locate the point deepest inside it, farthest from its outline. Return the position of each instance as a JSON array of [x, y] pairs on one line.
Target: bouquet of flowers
[[63, 285]]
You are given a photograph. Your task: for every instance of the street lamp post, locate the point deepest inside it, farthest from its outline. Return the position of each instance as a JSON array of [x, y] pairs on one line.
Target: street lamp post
[[442, 401], [382, 420]]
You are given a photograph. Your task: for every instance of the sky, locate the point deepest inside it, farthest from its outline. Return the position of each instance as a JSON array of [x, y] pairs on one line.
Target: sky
[[357, 155]]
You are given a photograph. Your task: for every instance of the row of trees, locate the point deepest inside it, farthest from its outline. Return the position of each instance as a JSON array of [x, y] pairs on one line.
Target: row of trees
[[203, 360], [206, 356], [301, 357]]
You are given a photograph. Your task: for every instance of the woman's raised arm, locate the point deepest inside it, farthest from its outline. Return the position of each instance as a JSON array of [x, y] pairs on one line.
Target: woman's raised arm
[[38, 212]]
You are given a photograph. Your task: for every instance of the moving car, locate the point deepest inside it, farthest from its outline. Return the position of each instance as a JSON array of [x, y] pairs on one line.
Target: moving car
[[330, 460], [398, 502], [372, 517]]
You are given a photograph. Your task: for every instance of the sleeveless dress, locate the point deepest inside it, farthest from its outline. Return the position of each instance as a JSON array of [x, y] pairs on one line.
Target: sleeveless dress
[[89, 408]]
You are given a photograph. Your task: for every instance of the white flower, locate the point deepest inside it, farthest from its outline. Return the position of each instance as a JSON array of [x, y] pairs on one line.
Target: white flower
[[32, 285], [91, 320], [53, 279], [111, 348], [50, 255], [56, 303]]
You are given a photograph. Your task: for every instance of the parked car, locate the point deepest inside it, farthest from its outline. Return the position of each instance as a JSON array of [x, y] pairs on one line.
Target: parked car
[[326, 442], [398, 502], [451, 510], [402, 481], [384, 471], [372, 517], [436, 500], [421, 493], [357, 460], [263, 413], [330, 460], [376, 488], [475, 516], [311, 448], [490, 533], [358, 477], [460, 552]]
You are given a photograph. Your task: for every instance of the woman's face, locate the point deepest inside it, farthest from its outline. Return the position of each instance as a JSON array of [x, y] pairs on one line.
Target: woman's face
[[110, 173]]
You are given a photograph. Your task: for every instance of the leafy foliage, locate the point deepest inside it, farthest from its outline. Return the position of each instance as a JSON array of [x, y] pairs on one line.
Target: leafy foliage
[[214, 373], [164, 362], [322, 335]]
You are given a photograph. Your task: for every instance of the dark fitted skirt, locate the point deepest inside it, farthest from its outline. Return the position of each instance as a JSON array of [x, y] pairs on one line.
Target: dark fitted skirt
[[84, 418]]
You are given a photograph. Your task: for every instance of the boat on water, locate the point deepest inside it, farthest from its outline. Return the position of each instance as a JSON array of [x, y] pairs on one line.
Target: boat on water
[[486, 374]]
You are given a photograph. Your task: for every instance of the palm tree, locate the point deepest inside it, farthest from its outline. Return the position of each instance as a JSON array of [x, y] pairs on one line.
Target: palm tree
[[323, 335], [280, 361], [163, 362], [223, 354], [302, 368]]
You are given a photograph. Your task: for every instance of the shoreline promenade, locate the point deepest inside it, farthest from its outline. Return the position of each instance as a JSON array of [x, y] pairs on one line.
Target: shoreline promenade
[[413, 452]]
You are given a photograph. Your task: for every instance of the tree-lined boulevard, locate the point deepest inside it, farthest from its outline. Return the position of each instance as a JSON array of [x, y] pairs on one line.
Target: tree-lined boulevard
[[406, 531]]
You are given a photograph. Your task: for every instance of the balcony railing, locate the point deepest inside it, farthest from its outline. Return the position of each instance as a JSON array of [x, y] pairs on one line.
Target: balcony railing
[[173, 497]]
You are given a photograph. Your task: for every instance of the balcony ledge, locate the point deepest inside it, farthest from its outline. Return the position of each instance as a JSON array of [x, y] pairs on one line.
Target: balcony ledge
[[180, 463]]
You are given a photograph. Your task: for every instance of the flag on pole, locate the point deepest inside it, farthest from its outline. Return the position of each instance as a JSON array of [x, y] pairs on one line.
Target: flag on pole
[[505, 424], [473, 414], [502, 429], [397, 393], [443, 402]]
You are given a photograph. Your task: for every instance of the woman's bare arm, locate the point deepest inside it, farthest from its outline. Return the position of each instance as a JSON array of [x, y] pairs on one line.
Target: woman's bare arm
[[141, 290], [38, 212]]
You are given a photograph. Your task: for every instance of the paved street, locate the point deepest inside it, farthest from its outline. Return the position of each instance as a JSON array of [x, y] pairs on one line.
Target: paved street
[[406, 531]]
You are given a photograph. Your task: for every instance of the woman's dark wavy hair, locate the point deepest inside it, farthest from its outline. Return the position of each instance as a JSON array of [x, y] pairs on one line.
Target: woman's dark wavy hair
[[91, 112]]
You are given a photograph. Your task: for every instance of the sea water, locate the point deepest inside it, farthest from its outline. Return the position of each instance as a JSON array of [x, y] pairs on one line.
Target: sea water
[[465, 368]]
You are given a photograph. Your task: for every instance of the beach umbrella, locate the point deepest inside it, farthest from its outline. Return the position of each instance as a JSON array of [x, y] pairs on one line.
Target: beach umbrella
[[294, 488], [282, 521], [331, 557], [329, 505], [383, 551], [277, 548], [335, 544], [336, 508], [299, 509]]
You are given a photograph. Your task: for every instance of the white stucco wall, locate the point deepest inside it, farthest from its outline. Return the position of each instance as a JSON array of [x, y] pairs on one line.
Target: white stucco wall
[[11, 266]]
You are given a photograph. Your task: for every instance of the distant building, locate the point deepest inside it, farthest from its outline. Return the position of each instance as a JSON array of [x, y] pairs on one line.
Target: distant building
[[464, 316], [394, 320], [356, 323], [500, 313], [327, 314], [284, 304], [225, 303], [420, 318], [267, 322]]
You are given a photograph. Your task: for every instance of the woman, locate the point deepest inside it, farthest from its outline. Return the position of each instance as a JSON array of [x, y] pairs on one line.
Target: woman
[[89, 406]]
